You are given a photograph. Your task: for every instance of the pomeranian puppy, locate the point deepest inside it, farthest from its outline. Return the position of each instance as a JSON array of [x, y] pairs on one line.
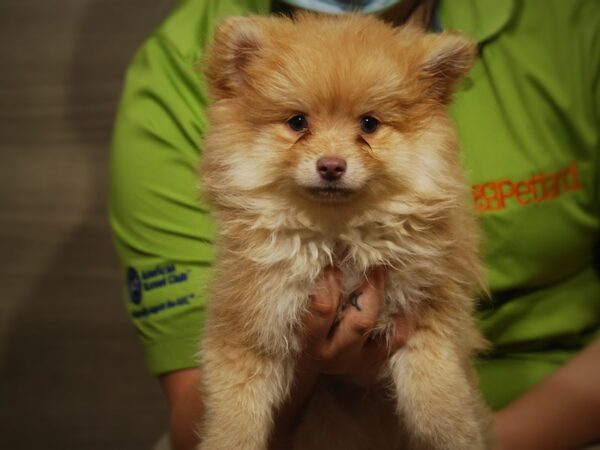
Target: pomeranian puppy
[[329, 144]]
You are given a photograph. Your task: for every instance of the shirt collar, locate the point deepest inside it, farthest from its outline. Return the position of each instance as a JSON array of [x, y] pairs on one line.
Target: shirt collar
[[481, 20]]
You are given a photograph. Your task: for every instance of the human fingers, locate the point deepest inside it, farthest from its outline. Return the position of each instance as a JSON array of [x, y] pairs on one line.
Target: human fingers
[[383, 347], [323, 305], [363, 309], [344, 350]]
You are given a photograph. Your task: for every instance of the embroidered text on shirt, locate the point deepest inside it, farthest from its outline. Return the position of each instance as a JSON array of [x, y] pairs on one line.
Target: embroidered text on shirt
[[494, 195]]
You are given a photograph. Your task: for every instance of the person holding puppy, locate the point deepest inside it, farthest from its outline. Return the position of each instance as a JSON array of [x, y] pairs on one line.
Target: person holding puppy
[[528, 120]]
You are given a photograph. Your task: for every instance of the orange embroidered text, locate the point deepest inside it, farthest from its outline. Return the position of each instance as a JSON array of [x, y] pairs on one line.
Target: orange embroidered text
[[495, 195]]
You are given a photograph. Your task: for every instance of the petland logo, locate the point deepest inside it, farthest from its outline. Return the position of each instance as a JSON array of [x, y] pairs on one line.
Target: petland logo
[[134, 286]]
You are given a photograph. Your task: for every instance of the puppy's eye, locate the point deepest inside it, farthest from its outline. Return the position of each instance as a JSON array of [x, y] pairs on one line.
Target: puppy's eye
[[369, 124], [298, 123]]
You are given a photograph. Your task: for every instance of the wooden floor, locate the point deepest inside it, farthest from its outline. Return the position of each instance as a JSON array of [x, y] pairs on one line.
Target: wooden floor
[[71, 369]]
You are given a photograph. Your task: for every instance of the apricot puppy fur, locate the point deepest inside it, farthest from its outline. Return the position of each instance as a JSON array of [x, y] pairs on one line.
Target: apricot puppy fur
[[329, 144]]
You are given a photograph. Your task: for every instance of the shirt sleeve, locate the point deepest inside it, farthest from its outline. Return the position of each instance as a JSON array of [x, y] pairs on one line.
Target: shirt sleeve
[[163, 234], [595, 70]]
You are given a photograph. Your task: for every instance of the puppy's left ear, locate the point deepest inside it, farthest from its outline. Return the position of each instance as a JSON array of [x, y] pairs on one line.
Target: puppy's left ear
[[237, 41], [448, 58]]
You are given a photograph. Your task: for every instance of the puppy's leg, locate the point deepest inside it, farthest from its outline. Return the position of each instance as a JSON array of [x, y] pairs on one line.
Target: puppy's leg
[[435, 397], [241, 391]]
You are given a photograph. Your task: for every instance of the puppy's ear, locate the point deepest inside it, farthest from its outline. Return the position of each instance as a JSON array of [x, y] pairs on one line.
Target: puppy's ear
[[237, 40], [448, 58]]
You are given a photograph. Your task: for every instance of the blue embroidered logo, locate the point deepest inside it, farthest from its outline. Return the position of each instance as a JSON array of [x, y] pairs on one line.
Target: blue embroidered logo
[[134, 286]]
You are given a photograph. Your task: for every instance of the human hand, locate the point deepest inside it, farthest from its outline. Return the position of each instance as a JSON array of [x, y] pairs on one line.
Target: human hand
[[347, 348], [343, 349]]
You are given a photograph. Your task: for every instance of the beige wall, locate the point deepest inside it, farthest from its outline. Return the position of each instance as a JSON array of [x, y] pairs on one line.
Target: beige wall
[[71, 369]]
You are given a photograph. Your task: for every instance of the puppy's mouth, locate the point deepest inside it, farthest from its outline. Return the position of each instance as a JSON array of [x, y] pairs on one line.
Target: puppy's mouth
[[330, 193]]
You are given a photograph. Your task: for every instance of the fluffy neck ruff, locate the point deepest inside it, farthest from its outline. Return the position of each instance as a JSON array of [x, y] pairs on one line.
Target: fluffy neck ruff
[[392, 233]]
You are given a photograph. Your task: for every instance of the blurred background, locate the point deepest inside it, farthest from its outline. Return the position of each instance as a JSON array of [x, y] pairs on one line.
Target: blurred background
[[71, 368]]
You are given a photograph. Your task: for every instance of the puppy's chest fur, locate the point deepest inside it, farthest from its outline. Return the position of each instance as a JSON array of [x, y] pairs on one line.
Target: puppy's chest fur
[[406, 258], [413, 255]]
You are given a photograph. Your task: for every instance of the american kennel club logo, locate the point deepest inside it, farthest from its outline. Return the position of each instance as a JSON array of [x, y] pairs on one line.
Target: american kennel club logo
[[497, 194]]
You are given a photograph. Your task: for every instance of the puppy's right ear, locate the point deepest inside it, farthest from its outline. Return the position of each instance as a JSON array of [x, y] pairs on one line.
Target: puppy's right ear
[[448, 58], [237, 41]]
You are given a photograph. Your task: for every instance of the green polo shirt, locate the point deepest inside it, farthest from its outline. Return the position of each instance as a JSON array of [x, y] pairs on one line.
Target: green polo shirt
[[528, 118]]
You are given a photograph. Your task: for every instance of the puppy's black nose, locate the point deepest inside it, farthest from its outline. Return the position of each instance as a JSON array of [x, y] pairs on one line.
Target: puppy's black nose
[[331, 168]]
